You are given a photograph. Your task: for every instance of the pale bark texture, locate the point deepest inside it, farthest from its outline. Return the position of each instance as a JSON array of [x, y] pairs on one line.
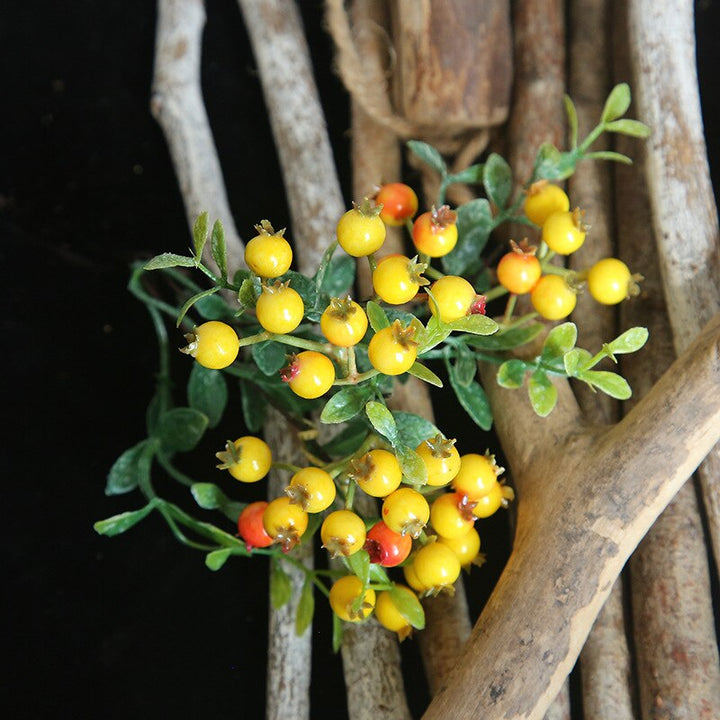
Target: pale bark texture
[[662, 44], [587, 497], [605, 659], [177, 105]]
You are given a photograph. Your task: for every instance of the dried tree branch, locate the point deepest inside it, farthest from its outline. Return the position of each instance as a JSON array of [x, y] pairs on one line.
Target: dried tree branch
[[662, 44], [605, 660], [587, 497], [177, 105]]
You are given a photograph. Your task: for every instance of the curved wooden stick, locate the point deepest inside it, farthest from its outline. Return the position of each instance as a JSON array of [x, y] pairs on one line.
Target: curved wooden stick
[[586, 499], [177, 105]]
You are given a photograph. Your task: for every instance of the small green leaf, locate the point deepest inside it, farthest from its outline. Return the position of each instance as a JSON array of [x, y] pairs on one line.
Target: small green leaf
[[408, 606], [280, 585], [472, 175], [609, 155], [412, 428], [617, 103], [475, 324], [630, 341], [542, 393], [346, 404], [269, 356], [217, 558], [571, 113], [507, 340], [168, 260], [560, 340], [213, 307], [633, 128], [465, 366], [303, 286], [551, 164], [376, 316], [254, 407], [359, 564], [337, 636], [249, 292], [382, 420], [428, 154], [339, 277], [208, 393], [511, 374], [610, 383], [210, 497], [349, 439], [200, 231], [474, 223], [217, 246], [305, 608], [425, 374], [497, 180], [180, 429], [411, 464], [130, 469], [191, 301], [473, 400], [124, 521], [576, 361]]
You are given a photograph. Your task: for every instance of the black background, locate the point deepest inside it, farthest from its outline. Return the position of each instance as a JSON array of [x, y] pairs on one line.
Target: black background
[[134, 625]]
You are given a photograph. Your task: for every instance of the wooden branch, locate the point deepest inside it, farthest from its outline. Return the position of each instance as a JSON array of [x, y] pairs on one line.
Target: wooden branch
[[177, 105], [586, 498], [298, 124], [454, 67], [662, 43]]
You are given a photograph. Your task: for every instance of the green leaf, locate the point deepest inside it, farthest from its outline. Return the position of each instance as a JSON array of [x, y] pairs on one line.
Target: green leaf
[[617, 103], [428, 154], [408, 606], [130, 469], [200, 229], [210, 497], [571, 113], [560, 340], [339, 277], [633, 128], [609, 155], [124, 521], [280, 585], [213, 307], [217, 246], [576, 361], [217, 558], [542, 393], [249, 292], [359, 564], [208, 393], [337, 636], [412, 428], [507, 340], [472, 175], [474, 223], [303, 286], [305, 608], [551, 164], [630, 341], [269, 356], [382, 420], [411, 464], [435, 332], [376, 316], [191, 301], [465, 366], [425, 374], [473, 400], [349, 440], [475, 324], [610, 383], [346, 404], [511, 374], [254, 407], [180, 429], [497, 180], [169, 260]]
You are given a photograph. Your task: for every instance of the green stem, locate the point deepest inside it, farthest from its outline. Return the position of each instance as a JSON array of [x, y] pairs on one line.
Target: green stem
[[360, 377], [496, 292], [593, 135], [350, 495], [286, 466], [431, 272], [173, 472], [294, 341]]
